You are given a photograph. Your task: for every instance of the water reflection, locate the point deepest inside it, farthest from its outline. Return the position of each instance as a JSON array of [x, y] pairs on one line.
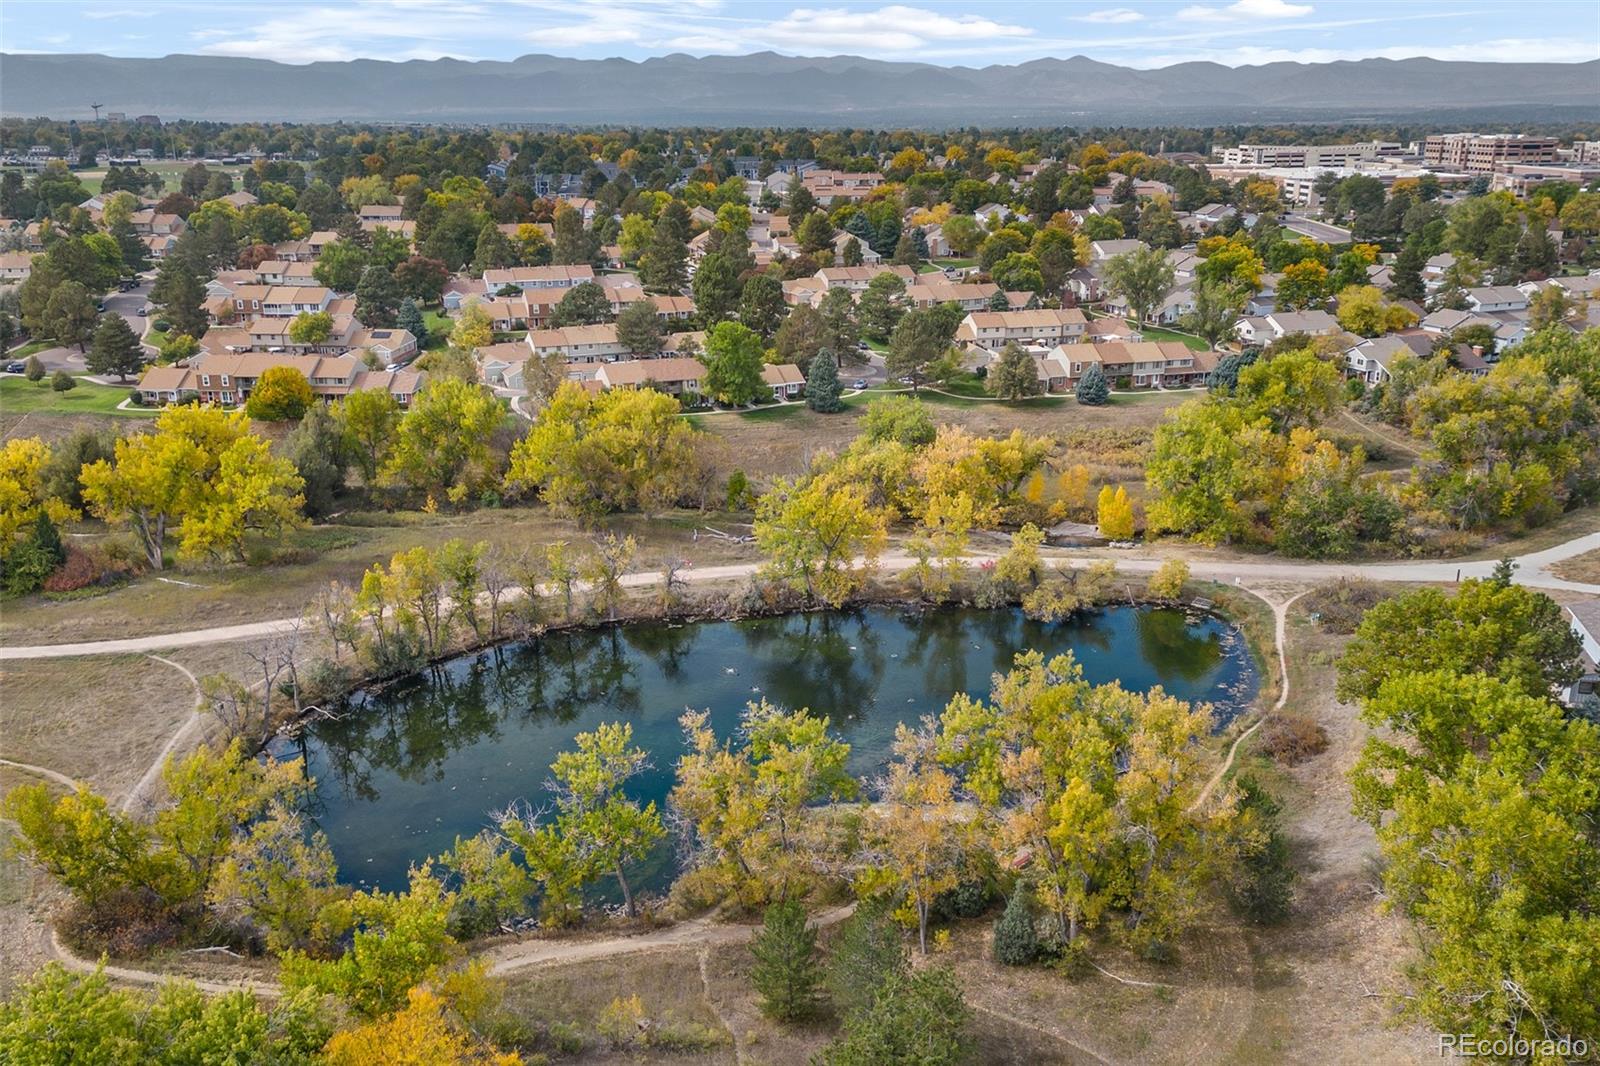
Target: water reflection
[[403, 771]]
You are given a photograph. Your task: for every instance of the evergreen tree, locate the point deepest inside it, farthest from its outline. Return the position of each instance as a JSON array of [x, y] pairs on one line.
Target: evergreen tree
[[180, 297], [115, 349], [917, 1019], [664, 264], [1014, 376], [716, 288], [377, 297], [135, 256], [785, 972], [640, 329], [905, 249], [493, 250], [852, 254], [761, 304], [822, 384], [410, 319], [583, 305], [1092, 389], [870, 950], [999, 301], [1406, 277], [1016, 942]]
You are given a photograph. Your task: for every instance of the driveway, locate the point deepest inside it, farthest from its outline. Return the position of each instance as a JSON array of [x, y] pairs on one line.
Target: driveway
[[127, 305]]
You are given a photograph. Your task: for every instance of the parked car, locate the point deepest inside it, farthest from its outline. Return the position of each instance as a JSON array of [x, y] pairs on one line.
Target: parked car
[[859, 383], [101, 307], [15, 367], [143, 311]]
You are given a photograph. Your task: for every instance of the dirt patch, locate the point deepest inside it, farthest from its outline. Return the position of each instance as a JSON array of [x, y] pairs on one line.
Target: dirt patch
[[1584, 568]]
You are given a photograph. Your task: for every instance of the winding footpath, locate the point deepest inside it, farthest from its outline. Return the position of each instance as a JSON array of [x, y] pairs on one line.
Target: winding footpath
[[1533, 570]]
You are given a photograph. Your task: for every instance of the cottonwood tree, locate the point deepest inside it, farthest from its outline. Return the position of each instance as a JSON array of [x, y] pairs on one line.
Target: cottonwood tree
[[1142, 277], [610, 830], [1013, 376], [745, 812], [1099, 785], [811, 532], [442, 437], [607, 562], [916, 840], [202, 472]]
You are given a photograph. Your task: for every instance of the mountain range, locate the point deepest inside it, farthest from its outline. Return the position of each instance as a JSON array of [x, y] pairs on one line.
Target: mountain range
[[766, 88]]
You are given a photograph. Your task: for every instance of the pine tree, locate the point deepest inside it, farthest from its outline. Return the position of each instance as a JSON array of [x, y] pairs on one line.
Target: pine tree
[[377, 297], [785, 972], [822, 384], [410, 319], [905, 249], [1092, 390], [181, 297], [47, 539], [115, 349], [999, 301], [870, 950], [1016, 942], [1014, 376]]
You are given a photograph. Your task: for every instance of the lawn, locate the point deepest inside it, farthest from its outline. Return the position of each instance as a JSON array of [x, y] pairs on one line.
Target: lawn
[[1585, 568], [31, 348], [954, 264], [1155, 333], [19, 396], [439, 328]]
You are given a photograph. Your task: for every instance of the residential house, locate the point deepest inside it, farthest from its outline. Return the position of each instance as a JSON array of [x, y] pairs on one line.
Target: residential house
[[150, 221], [290, 300], [15, 266], [971, 295], [579, 344], [1496, 298], [1372, 360], [857, 278], [785, 380], [1174, 306], [1100, 251], [842, 240], [390, 212], [1143, 364], [1043, 328], [674, 375], [228, 378], [537, 277]]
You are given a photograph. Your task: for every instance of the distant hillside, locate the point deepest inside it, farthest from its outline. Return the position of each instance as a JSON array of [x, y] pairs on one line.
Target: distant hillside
[[768, 88]]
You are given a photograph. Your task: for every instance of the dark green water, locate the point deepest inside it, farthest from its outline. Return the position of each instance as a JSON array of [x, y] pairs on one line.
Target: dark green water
[[403, 772]]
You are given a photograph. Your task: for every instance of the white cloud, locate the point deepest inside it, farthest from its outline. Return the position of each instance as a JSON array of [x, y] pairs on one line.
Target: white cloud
[[895, 28], [1502, 50], [1111, 16], [373, 29], [119, 13], [1245, 9]]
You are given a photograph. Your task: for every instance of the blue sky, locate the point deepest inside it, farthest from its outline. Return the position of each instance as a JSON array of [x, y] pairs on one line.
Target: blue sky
[[961, 32]]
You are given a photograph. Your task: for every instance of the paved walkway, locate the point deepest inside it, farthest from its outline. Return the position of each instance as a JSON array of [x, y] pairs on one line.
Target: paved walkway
[[1533, 570]]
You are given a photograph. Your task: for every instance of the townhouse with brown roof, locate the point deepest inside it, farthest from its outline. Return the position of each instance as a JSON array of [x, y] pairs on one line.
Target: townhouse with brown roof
[[1045, 327], [971, 295], [227, 378], [579, 344], [857, 278], [537, 277], [1142, 364]]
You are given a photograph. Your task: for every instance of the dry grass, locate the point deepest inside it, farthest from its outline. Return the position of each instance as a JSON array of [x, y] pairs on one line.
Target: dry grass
[[1584, 568], [187, 598], [99, 719]]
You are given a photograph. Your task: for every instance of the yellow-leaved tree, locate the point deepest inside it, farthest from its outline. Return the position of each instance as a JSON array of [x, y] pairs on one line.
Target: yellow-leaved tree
[[202, 473], [1115, 513], [23, 496]]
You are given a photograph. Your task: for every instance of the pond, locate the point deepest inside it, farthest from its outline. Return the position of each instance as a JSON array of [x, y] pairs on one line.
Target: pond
[[405, 770]]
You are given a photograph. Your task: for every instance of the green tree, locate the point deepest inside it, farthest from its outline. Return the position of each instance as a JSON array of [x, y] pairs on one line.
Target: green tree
[[839, 325], [1216, 311], [801, 336], [761, 304], [585, 304], [70, 315], [870, 949], [444, 435], [716, 288], [180, 297], [1142, 277], [811, 532], [903, 419], [918, 1018], [311, 328], [1014, 376], [640, 329], [341, 265], [1509, 632], [61, 381], [410, 319], [1016, 941], [822, 384], [664, 266], [733, 361], [919, 339], [203, 472], [116, 348], [881, 305], [1092, 389], [368, 420], [786, 973], [1291, 389], [378, 297], [608, 828]]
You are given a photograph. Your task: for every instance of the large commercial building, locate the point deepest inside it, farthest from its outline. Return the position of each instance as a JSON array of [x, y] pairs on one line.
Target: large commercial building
[[1307, 155], [1484, 153]]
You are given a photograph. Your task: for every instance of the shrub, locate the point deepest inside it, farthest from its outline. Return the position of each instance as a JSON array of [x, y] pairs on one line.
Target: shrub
[[161, 325], [869, 949], [969, 899], [61, 381], [1291, 738], [34, 370], [136, 397], [1339, 605], [79, 571], [1016, 941], [567, 1037]]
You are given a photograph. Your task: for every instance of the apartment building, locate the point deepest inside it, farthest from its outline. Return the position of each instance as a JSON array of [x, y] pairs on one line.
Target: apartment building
[[1307, 155]]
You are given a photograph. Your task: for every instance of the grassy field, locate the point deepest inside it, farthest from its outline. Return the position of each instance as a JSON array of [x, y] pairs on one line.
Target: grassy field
[[439, 328], [20, 396], [170, 170], [1156, 333], [31, 348]]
